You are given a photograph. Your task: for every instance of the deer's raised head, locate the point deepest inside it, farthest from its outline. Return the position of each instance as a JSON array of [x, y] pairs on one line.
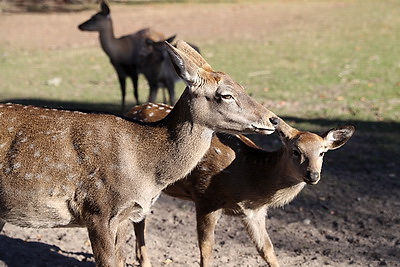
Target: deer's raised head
[[217, 101], [98, 21], [306, 150]]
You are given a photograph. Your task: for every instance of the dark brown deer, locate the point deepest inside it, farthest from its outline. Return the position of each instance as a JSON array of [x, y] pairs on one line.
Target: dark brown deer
[[158, 69], [60, 168], [240, 179], [128, 53]]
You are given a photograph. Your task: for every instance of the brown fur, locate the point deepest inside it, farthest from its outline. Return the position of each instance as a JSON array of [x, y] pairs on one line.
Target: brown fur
[[60, 168], [240, 179]]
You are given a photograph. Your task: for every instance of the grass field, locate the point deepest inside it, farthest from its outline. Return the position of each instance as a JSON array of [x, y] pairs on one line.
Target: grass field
[[342, 65]]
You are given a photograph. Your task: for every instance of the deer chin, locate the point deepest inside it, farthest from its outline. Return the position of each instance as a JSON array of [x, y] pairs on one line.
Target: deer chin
[[260, 128]]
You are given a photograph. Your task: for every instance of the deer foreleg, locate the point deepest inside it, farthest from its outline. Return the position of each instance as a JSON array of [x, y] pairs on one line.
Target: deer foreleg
[[103, 241], [120, 242], [256, 228], [122, 83], [141, 250], [153, 92], [171, 91], [134, 78], [205, 229]]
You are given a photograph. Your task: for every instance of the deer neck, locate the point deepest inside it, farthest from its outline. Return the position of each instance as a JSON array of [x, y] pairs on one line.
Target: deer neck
[[187, 142], [107, 39], [284, 181]]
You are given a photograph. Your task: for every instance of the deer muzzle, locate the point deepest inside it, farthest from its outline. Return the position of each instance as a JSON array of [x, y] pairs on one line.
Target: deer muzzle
[[312, 177]]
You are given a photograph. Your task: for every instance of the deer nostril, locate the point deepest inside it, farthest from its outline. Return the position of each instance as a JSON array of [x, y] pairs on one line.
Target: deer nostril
[[312, 176], [274, 121]]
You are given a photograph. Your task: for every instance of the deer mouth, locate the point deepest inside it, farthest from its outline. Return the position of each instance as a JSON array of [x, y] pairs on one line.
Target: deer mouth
[[260, 128]]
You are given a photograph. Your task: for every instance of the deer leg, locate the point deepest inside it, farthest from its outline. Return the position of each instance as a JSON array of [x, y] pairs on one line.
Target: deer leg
[[164, 95], [255, 226], [2, 223], [206, 222], [120, 242], [141, 250], [134, 78], [122, 83], [103, 242], [153, 92], [171, 91]]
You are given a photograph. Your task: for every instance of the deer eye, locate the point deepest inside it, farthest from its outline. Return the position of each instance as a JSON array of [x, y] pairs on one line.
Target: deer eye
[[296, 153], [226, 97]]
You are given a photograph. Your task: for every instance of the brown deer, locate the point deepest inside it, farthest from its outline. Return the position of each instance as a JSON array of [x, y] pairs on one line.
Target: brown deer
[[61, 169], [240, 179], [128, 53], [159, 71]]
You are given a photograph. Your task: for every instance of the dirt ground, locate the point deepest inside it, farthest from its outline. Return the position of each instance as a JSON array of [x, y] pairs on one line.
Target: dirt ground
[[351, 218]]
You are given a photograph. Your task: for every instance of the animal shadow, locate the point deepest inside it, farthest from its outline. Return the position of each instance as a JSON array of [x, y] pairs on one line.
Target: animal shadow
[[18, 253]]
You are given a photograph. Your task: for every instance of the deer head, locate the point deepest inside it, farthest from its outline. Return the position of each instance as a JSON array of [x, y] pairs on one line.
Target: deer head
[[98, 21], [306, 150], [218, 94]]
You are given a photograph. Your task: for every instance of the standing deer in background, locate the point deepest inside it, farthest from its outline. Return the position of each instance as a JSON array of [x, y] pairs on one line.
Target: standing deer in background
[[127, 53], [61, 169], [238, 178], [159, 71]]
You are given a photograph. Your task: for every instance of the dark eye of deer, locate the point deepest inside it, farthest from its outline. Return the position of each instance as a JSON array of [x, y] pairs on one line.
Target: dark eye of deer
[[296, 153], [226, 97]]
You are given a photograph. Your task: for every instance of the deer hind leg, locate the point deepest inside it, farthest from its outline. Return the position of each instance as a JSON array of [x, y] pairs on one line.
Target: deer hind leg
[[256, 228], [206, 222], [141, 250]]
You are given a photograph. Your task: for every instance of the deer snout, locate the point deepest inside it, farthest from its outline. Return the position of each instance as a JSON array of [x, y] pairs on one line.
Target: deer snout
[[312, 177]]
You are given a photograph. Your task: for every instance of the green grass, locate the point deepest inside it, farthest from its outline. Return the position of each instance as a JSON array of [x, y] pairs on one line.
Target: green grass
[[340, 65]]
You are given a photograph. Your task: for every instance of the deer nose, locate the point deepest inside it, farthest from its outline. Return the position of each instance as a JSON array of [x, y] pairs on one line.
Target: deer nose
[[312, 177], [274, 121]]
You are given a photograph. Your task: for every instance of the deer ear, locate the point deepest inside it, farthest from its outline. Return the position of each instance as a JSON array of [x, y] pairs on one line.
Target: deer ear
[[184, 65], [285, 131], [337, 137], [171, 38], [104, 8], [194, 55]]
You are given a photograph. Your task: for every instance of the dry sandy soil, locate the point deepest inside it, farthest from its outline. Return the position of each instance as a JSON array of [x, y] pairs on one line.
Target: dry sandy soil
[[351, 218]]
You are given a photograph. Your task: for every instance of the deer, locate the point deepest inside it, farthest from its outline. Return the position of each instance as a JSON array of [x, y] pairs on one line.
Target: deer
[[159, 71], [63, 168], [238, 178], [128, 53]]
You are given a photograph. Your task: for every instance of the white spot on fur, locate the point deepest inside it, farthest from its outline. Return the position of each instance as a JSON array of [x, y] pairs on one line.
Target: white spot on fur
[[168, 110], [10, 129], [3, 145], [161, 108], [36, 153], [17, 165], [28, 175], [217, 150], [151, 114]]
